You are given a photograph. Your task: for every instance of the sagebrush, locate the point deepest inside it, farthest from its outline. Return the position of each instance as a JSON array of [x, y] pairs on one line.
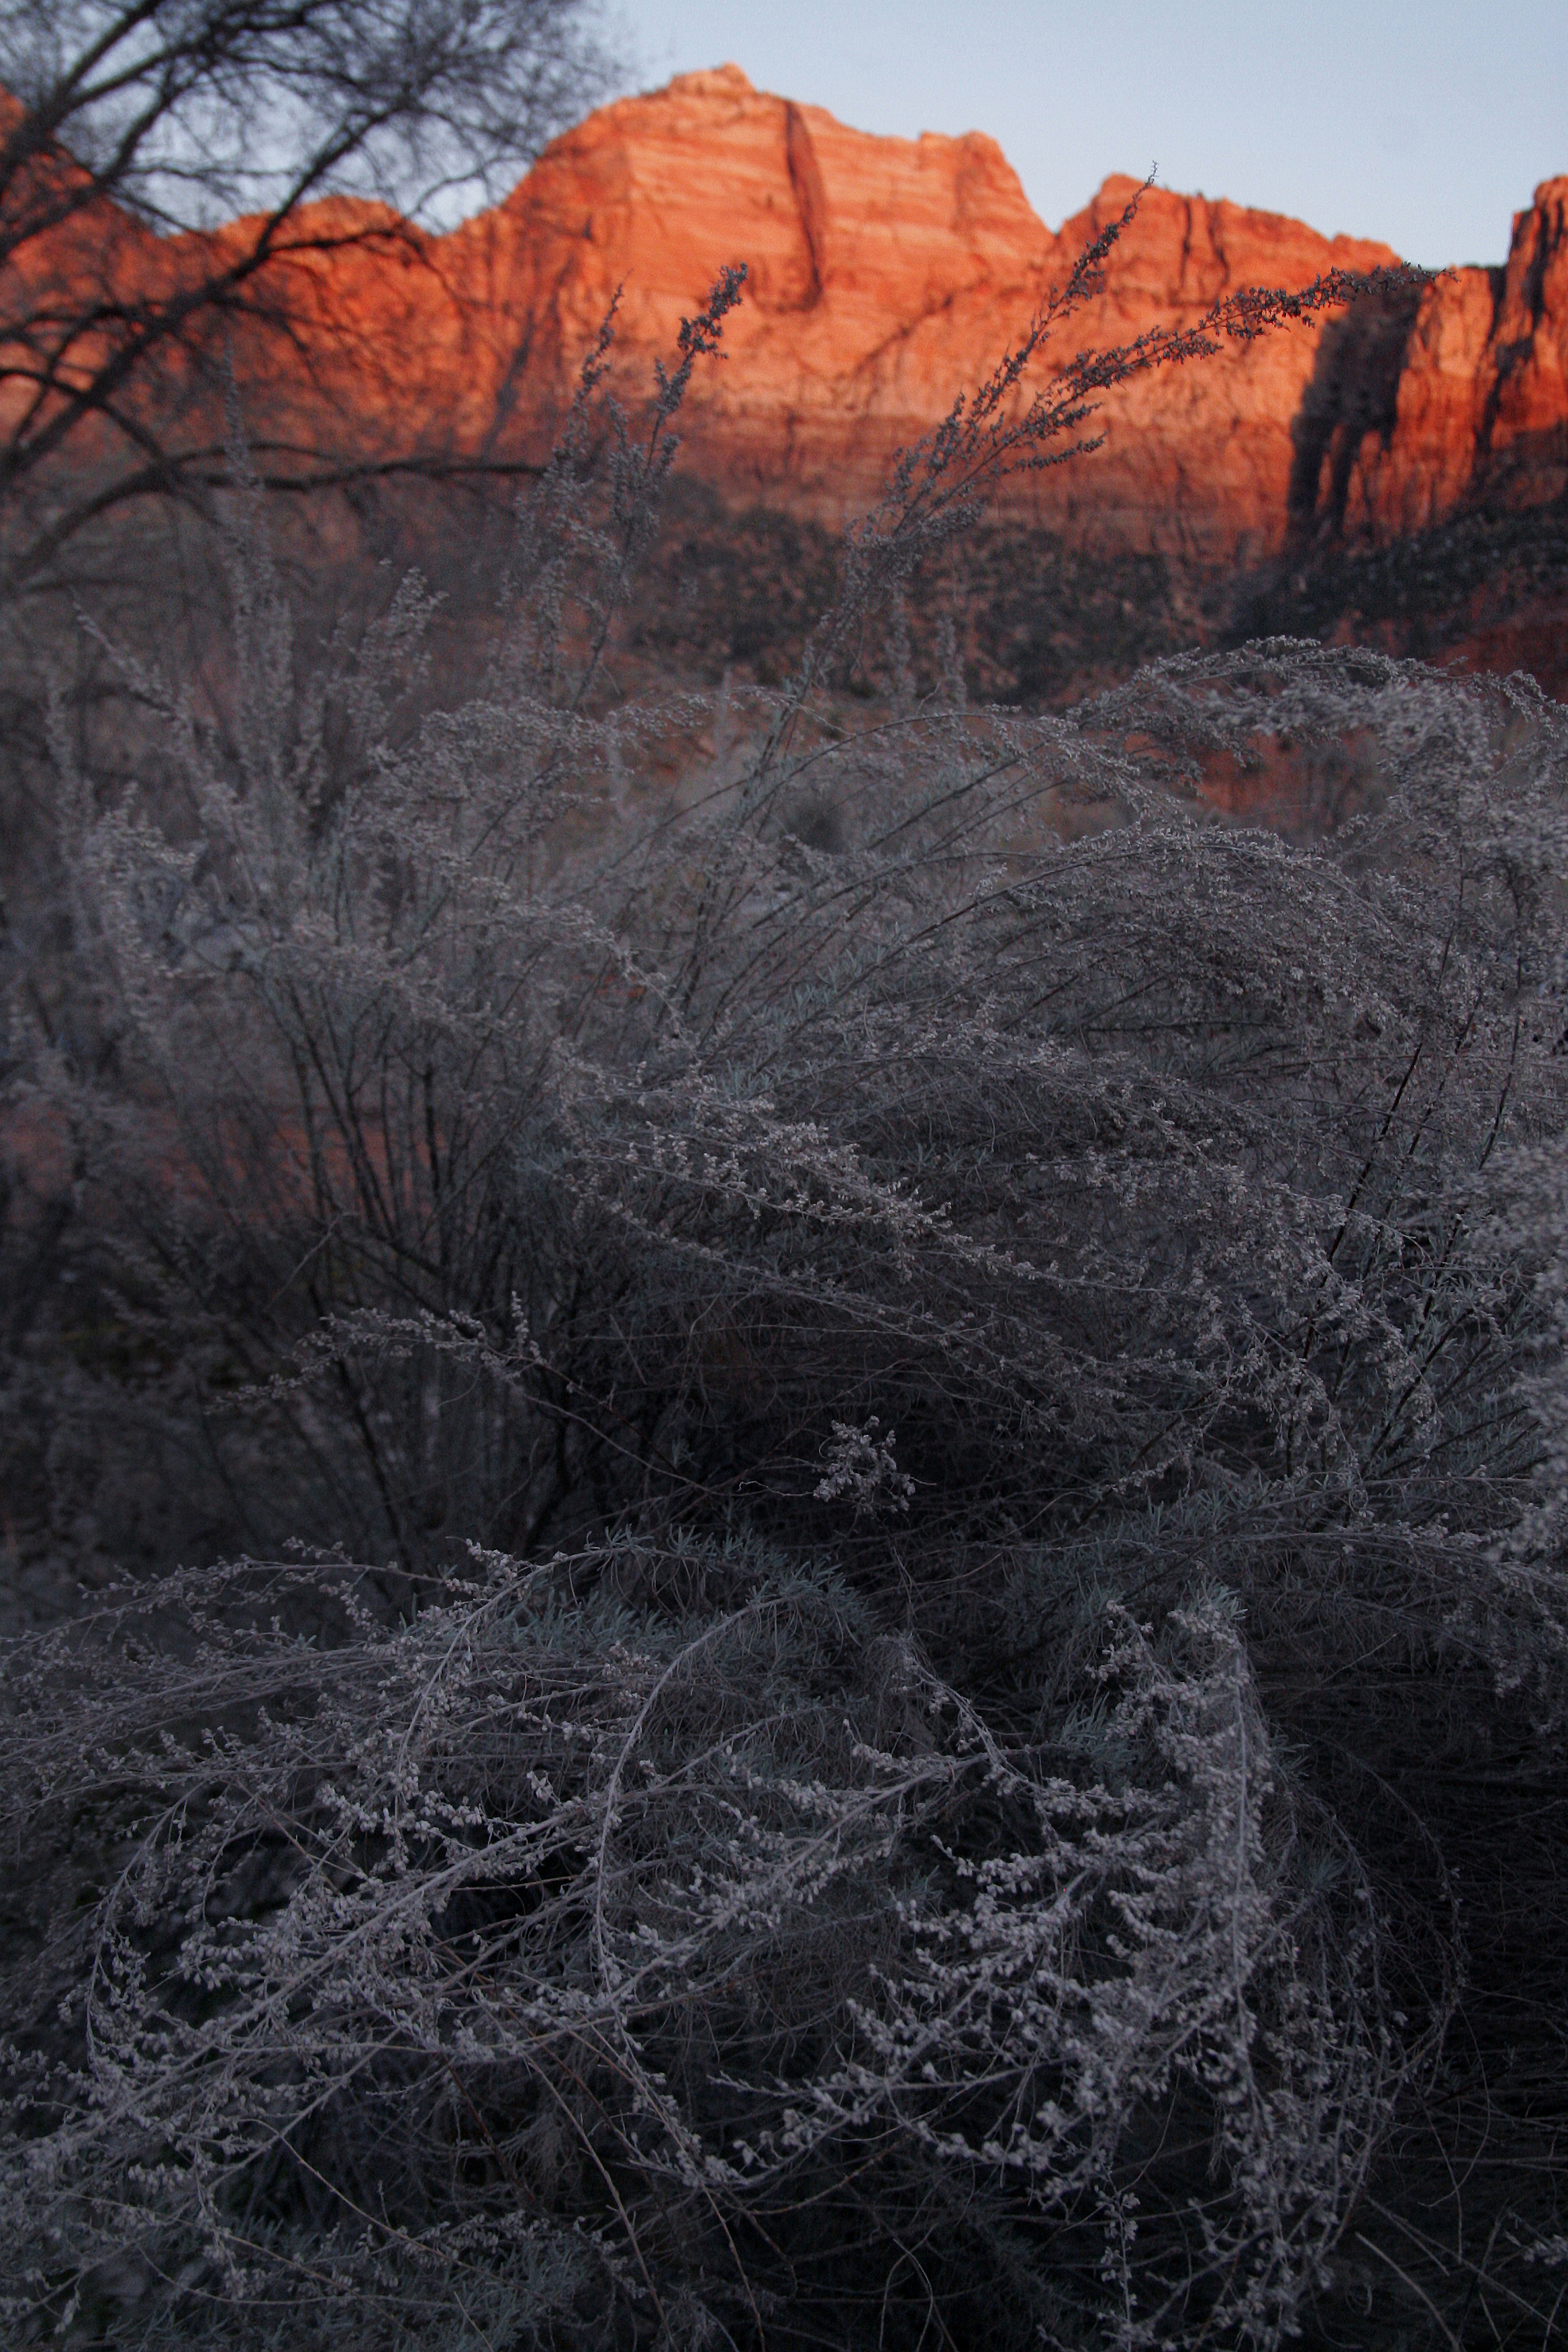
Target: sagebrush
[[924, 1387]]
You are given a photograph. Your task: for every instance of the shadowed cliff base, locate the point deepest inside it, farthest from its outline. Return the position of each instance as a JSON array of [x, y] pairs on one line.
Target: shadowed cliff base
[[1484, 592], [1041, 622]]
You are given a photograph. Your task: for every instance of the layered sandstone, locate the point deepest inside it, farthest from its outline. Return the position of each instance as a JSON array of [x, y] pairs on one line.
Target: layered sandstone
[[1481, 405], [885, 276]]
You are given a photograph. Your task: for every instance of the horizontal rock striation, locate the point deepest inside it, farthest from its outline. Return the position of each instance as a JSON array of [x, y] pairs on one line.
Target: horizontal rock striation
[[884, 275]]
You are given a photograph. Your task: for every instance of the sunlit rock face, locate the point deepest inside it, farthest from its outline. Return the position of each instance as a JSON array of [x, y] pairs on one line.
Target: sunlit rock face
[[884, 275], [1479, 411]]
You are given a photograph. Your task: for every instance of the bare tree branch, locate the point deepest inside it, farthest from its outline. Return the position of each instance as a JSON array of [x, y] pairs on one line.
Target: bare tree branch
[[167, 176]]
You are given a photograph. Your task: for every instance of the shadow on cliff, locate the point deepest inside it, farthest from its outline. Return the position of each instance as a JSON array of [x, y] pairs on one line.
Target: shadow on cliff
[[1354, 391]]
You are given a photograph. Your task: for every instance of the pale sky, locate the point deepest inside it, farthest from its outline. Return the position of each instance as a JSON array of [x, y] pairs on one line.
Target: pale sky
[[1424, 122]]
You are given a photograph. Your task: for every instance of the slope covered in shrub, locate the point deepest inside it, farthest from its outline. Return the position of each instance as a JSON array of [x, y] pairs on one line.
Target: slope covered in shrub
[[925, 1388]]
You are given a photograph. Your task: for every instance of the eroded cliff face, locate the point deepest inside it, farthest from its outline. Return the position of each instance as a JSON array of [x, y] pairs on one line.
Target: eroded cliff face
[[1478, 407], [885, 276]]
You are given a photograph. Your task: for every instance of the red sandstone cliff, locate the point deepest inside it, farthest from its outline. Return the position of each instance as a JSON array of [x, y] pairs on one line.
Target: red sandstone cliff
[[884, 275], [1481, 408]]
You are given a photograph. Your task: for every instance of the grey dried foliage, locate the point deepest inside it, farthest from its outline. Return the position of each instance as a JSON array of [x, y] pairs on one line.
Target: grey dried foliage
[[887, 1352]]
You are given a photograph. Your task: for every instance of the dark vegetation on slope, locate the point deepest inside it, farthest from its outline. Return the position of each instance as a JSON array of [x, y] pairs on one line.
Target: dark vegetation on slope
[[1039, 622], [1042, 622]]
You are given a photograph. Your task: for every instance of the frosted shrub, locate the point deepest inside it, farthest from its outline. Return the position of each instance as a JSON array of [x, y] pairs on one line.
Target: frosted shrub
[[916, 1448], [862, 1465], [539, 1950]]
